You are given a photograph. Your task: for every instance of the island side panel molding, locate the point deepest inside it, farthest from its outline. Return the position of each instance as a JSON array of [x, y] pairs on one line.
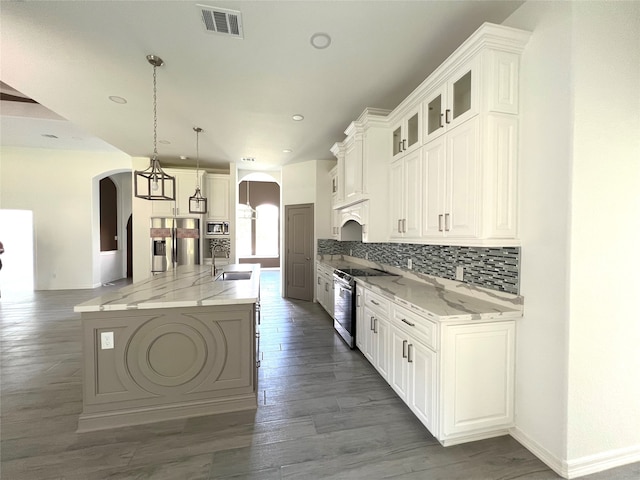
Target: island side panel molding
[[167, 363]]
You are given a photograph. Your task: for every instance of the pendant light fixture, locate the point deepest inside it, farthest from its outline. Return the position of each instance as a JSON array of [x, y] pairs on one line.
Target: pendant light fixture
[[246, 211], [197, 203], [153, 183]]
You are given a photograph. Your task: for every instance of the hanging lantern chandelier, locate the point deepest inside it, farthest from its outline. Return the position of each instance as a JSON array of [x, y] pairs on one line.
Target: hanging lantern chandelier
[[197, 203], [153, 183]]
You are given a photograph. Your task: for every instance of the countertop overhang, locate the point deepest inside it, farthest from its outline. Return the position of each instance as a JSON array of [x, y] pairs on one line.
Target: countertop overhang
[[185, 286]]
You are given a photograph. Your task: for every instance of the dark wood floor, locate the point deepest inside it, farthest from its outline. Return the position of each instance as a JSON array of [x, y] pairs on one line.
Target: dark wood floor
[[324, 412]]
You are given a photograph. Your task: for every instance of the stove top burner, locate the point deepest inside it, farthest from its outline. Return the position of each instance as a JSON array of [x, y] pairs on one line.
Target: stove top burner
[[347, 273]]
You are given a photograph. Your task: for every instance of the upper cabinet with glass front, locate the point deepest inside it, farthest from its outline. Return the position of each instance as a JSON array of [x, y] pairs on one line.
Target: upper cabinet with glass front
[[452, 102], [407, 133]]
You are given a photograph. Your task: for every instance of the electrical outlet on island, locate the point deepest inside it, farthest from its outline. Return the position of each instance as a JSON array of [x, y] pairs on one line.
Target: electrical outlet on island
[[409, 264], [460, 273]]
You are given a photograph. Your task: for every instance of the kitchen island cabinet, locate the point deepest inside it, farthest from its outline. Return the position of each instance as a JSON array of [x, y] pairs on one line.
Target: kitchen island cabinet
[[177, 345]]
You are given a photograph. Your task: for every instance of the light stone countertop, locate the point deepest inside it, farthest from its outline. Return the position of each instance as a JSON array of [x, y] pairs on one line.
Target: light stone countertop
[[436, 298], [186, 286]]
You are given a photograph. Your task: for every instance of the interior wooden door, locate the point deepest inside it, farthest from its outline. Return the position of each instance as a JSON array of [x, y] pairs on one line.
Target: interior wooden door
[[299, 263]]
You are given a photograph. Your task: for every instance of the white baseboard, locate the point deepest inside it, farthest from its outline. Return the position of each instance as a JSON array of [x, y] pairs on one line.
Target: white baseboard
[[554, 463], [603, 461], [581, 466]]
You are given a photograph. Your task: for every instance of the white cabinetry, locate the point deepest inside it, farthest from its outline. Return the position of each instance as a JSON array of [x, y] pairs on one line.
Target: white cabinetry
[[407, 133], [451, 179], [324, 287], [469, 129], [375, 332], [452, 102], [406, 191], [457, 377], [353, 165], [217, 193], [477, 371], [362, 172]]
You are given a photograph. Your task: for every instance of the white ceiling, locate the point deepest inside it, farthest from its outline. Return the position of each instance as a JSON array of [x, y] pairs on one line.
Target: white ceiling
[[70, 56]]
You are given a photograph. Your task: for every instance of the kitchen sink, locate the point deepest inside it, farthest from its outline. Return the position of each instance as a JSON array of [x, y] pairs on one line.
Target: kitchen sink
[[226, 276]]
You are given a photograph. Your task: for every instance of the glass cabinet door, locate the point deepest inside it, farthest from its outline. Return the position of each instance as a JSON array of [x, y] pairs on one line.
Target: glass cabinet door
[[413, 129], [397, 141], [462, 95], [434, 114]]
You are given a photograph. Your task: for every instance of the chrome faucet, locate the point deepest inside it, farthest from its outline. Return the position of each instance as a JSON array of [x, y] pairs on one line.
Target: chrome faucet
[[217, 248]]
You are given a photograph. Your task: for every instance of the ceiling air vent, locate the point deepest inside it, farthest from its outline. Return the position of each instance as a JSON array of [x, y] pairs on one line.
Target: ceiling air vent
[[221, 20]]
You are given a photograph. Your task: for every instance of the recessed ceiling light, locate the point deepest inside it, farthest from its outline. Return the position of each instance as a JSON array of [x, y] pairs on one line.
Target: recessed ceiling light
[[287, 150], [116, 99], [297, 117], [183, 157], [320, 40]]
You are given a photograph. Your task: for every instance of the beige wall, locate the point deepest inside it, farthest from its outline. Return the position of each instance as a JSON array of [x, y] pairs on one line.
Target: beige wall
[[577, 350], [60, 188]]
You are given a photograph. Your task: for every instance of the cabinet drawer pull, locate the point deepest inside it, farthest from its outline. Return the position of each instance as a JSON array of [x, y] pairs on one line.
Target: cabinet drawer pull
[[447, 222], [404, 348], [408, 322], [409, 357], [440, 222], [447, 116], [374, 302]]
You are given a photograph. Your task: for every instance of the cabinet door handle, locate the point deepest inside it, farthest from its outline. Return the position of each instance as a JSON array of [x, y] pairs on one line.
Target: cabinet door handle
[[441, 117], [358, 300], [404, 348], [375, 325], [404, 146], [409, 357], [447, 116], [399, 146], [371, 323], [408, 322], [318, 280], [326, 287], [440, 222], [404, 225], [446, 222], [399, 227]]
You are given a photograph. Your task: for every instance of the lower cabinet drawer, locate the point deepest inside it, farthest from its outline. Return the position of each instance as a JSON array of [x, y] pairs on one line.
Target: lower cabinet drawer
[[418, 326], [376, 302]]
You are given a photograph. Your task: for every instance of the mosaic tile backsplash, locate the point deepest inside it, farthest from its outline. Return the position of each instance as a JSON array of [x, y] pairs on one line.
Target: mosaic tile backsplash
[[496, 268]]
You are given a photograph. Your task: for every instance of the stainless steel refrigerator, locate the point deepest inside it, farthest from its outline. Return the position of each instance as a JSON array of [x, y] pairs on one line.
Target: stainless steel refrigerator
[[174, 242]]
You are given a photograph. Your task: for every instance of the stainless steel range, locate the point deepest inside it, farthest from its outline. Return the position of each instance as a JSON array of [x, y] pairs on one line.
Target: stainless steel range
[[344, 303]]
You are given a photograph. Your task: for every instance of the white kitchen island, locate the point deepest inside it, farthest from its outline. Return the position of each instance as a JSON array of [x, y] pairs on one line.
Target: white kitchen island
[[180, 344]]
